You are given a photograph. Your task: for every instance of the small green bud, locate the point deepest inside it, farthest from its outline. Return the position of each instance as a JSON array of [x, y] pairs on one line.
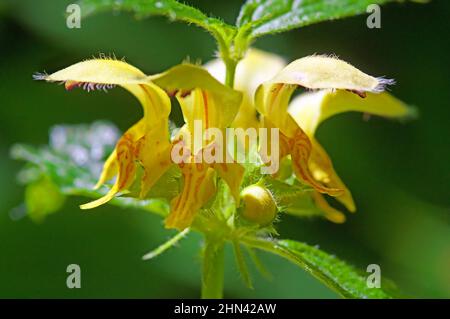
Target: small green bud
[[259, 205]]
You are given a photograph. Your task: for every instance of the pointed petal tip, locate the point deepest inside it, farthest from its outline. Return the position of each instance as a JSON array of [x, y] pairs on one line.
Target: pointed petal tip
[[351, 208], [335, 217], [412, 113], [98, 202], [89, 205]]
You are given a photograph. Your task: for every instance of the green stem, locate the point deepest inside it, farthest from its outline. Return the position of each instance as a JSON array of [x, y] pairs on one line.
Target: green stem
[[213, 269], [225, 46], [230, 66]]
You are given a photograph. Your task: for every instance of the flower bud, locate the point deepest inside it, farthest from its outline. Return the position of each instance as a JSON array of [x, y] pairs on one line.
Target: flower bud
[[259, 205]]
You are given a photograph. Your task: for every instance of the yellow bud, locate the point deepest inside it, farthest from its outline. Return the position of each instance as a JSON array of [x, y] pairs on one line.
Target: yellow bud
[[259, 205]]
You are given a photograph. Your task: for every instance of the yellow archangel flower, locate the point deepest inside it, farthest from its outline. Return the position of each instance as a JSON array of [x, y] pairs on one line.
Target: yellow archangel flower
[[200, 150], [147, 143], [338, 87]]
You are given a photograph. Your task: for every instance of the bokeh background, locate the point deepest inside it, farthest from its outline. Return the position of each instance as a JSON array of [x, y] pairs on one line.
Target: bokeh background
[[399, 172]]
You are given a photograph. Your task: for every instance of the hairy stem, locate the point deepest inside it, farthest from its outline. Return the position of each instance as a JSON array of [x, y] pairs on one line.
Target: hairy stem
[[230, 65], [213, 269]]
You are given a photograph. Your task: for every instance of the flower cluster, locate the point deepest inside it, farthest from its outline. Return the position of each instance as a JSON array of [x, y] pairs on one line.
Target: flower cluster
[[261, 99]]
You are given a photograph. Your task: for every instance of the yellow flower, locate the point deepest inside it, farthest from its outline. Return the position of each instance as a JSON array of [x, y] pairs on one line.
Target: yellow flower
[[310, 109], [211, 112], [339, 87], [147, 143]]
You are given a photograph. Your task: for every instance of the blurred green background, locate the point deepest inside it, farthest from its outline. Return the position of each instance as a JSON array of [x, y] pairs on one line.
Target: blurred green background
[[399, 173]]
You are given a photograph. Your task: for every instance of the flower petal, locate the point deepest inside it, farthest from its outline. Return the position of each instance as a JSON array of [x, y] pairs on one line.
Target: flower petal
[[317, 72], [154, 125], [99, 73], [111, 166], [126, 162], [153, 152], [198, 188], [323, 72], [110, 169], [310, 109], [223, 102], [272, 101], [301, 150], [201, 106], [206, 105], [322, 170], [331, 213]]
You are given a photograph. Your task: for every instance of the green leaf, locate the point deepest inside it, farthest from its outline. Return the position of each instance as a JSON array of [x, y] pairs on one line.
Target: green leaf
[[261, 17], [336, 274], [258, 264], [172, 9], [71, 162], [241, 264]]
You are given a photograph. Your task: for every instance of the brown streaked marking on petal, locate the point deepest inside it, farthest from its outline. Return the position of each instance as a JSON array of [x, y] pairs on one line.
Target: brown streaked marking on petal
[[185, 93], [224, 167], [171, 93], [361, 94], [300, 152], [205, 105], [186, 190], [125, 157], [70, 85]]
